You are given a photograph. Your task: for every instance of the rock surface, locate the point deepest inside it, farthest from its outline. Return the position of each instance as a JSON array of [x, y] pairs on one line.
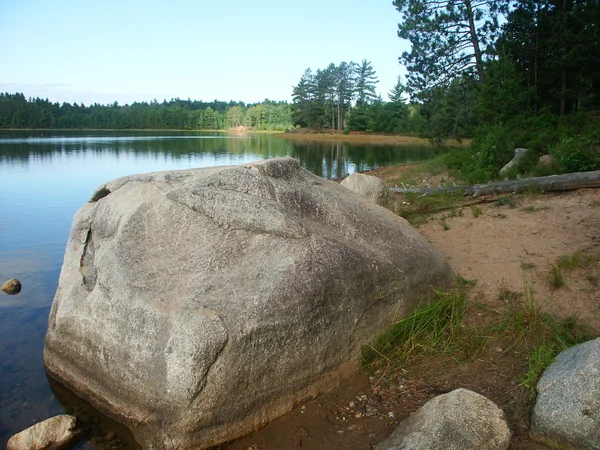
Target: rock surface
[[519, 155], [567, 409], [197, 306], [371, 188], [546, 160], [11, 287], [52, 434], [459, 420]]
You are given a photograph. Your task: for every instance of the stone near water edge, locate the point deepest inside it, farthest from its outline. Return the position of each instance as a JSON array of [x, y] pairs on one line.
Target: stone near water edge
[[11, 287], [458, 420], [567, 408], [197, 306], [52, 434], [371, 188]]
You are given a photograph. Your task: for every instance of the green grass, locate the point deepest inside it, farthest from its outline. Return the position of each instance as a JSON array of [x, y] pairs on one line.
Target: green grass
[[509, 296], [444, 223], [527, 265], [508, 201], [477, 211], [538, 360], [463, 282], [420, 207], [531, 208], [556, 277], [570, 262], [438, 330], [430, 329]]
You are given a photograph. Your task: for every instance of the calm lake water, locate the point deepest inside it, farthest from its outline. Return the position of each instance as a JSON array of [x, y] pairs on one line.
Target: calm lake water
[[45, 176]]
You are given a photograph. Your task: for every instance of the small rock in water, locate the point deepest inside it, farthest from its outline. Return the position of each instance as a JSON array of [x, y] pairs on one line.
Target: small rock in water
[[110, 436], [12, 287], [54, 433]]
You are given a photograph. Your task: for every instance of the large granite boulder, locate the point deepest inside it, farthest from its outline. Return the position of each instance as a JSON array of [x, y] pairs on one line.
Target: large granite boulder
[[458, 420], [196, 306], [567, 408], [371, 188]]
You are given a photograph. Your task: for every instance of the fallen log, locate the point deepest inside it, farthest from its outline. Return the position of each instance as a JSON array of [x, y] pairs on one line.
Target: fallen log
[[570, 181]]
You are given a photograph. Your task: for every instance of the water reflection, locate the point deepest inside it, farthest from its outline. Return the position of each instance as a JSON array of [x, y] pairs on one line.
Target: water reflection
[[46, 176]]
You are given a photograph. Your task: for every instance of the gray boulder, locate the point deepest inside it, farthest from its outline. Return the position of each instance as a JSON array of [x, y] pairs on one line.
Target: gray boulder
[[519, 155], [11, 287], [196, 306], [567, 409], [459, 420], [546, 160], [52, 434], [371, 188]]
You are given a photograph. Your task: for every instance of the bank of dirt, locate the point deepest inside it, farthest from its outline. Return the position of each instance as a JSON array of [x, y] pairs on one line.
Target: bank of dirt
[[501, 245]]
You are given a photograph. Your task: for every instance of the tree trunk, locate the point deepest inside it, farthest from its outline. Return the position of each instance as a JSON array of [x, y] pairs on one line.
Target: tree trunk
[[570, 181], [475, 42]]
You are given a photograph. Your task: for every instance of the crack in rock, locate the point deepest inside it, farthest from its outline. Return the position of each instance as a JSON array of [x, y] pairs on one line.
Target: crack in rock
[[87, 265]]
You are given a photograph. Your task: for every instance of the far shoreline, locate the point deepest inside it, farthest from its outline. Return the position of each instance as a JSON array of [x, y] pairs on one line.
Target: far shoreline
[[366, 138], [299, 135]]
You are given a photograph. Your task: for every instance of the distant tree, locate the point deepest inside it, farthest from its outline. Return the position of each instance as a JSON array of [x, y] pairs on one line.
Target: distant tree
[[345, 88], [304, 96], [398, 91], [366, 80]]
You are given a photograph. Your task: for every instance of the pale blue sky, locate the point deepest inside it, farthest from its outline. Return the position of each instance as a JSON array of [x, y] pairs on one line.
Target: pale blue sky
[[134, 50]]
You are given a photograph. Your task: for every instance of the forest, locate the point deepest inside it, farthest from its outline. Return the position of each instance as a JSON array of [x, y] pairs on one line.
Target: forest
[[522, 73], [18, 112]]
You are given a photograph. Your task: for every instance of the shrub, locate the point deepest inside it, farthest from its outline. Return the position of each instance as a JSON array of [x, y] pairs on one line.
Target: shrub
[[579, 153]]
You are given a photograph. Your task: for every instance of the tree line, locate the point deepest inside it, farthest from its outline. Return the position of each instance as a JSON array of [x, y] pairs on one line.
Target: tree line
[[18, 112], [343, 97]]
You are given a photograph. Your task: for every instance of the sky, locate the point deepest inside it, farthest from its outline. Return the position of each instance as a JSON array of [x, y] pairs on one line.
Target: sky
[[133, 50]]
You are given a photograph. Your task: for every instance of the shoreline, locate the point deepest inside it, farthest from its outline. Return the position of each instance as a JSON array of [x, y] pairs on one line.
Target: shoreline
[[366, 138]]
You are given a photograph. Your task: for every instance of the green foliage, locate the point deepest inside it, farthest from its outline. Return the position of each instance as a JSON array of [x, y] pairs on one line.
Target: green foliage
[[578, 153], [502, 98], [323, 99], [488, 152], [448, 39]]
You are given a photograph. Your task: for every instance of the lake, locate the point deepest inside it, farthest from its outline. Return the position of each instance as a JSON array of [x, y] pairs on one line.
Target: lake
[[45, 176]]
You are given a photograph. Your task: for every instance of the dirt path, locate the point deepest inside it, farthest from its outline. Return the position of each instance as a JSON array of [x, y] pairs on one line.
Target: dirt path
[[498, 245]]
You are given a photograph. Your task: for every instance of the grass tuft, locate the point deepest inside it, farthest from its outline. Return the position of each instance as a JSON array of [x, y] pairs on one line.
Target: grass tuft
[[538, 360], [531, 208], [444, 223], [556, 277], [527, 265], [477, 211], [434, 328], [570, 262], [502, 201]]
